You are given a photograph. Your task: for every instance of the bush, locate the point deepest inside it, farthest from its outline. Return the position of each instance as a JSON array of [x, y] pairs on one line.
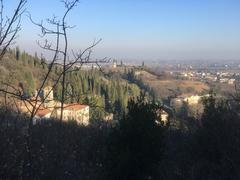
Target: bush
[[137, 144]]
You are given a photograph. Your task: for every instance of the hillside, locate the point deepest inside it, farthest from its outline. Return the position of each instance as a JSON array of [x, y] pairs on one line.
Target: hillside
[[105, 93], [169, 87]]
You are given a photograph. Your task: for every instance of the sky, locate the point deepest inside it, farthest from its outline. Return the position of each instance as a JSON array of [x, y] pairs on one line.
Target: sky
[[143, 29]]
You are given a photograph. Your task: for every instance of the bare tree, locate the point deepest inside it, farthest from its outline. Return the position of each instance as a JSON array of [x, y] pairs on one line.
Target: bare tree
[[10, 26], [68, 60], [9, 29]]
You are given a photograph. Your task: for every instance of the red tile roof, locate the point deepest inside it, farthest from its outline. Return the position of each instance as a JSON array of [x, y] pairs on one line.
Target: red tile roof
[[75, 106], [42, 112]]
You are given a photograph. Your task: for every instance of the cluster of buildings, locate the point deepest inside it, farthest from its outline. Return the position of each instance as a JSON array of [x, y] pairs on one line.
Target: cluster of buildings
[[221, 77], [191, 100], [47, 108]]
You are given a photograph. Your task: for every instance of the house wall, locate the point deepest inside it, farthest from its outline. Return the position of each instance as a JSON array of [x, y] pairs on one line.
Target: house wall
[[81, 115]]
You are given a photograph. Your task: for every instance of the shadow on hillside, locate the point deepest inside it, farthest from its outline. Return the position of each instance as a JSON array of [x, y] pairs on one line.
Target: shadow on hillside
[[135, 149], [55, 151]]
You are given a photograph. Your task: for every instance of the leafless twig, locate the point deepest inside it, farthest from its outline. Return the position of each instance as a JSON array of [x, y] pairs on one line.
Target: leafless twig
[[10, 26]]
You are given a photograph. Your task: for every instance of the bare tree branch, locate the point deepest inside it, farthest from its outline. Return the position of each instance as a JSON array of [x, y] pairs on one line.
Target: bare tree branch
[[10, 27]]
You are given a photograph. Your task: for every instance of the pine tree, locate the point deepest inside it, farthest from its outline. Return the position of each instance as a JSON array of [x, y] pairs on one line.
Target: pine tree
[[31, 86], [18, 53], [23, 58], [137, 145], [57, 92]]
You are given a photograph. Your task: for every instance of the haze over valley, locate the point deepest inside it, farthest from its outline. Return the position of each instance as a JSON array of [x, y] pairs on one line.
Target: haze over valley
[[120, 90]]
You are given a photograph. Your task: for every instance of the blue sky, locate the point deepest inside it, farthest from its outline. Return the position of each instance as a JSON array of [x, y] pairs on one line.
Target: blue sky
[[145, 29]]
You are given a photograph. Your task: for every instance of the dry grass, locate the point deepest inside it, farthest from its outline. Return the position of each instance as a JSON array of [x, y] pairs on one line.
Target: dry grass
[[170, 87]]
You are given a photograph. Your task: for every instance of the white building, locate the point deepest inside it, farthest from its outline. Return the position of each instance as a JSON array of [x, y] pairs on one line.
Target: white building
[[49, 108], [191, 100], [231, 81], [77, 112], [164, 116]]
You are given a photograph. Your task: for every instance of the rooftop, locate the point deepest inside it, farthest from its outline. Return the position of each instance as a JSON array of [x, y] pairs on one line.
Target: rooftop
[[43, 112], [75, 106]]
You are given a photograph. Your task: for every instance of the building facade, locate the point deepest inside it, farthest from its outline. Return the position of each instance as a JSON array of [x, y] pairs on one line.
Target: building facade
[[49, 108], [77, 112]]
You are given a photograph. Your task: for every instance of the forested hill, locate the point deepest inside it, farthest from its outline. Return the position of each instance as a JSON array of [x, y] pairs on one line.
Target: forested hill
[[104, 93]]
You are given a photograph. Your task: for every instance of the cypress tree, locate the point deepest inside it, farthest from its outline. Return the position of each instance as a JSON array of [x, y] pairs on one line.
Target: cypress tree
[[18, 53], [31, 87]]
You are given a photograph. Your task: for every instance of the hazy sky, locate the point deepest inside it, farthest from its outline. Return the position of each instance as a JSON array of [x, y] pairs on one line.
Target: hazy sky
[[145, 29]]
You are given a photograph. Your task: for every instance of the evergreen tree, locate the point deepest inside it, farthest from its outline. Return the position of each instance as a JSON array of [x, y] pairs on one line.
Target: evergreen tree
[[31, 87], [216, 142], [18, 54], [36, 60], [58, 91], [184, 111], [23, 58], [117, 107], [137, 144]]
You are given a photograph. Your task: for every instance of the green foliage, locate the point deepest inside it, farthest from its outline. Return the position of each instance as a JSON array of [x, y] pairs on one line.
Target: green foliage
[[57, 150], [109, 93], [217, 141], [132, 78], [30, 83], [103, 94], [17, 53], [137, 144], [136, 148]]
